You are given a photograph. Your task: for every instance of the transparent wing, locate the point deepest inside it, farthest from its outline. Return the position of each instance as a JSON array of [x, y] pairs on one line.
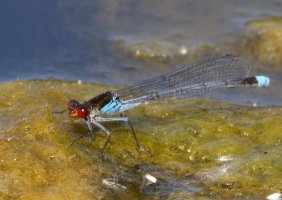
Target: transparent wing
[[193, 80]]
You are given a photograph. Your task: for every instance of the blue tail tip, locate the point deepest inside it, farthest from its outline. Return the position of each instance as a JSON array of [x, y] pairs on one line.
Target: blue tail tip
[[263, 81]]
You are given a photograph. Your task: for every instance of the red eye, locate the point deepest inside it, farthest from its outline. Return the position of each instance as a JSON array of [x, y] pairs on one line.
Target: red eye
[[82, 112], [77, 110]]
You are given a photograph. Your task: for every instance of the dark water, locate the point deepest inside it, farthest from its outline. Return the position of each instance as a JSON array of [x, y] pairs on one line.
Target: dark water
[[72, 39]]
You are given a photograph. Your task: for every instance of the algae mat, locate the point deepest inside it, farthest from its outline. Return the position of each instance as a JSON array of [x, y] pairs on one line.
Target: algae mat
[[197, 149]]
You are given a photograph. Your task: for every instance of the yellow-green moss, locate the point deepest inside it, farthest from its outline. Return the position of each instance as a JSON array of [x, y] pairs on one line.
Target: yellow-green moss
[[181, 137], [264, 40]]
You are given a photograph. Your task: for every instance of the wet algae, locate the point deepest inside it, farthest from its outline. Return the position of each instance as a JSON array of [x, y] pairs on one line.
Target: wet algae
[[262, 40], [195, 148]]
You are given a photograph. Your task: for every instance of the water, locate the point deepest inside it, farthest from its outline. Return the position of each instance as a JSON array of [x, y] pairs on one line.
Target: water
[[196, 148], [73, 40]]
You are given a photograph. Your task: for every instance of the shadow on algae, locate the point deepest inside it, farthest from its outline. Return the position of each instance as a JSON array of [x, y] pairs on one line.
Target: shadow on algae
[[197, 149]]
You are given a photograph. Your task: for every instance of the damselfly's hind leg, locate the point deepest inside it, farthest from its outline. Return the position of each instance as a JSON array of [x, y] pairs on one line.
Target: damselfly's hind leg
[[125, 119], [134, 135]]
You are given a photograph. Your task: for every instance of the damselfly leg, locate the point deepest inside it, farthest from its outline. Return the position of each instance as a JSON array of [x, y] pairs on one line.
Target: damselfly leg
[[91, 131], [107, 131], [59, 112], [95, 120], [125, 119], [134, 135]]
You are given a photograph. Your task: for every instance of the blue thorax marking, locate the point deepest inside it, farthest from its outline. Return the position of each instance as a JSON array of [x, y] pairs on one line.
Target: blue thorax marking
[[114, 106]]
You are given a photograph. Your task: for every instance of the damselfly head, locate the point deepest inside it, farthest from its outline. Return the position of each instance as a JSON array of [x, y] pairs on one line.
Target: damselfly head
[[77, 110]]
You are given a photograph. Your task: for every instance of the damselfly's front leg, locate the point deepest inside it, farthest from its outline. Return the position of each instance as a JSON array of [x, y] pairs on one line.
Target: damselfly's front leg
[[112, 119], [91, 131]]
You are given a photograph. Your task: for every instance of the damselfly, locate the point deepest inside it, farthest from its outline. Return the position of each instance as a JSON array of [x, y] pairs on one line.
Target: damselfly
[[211, 74]]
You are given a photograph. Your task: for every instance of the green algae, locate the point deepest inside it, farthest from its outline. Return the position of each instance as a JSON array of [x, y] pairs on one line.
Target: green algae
[[263, 40], [36, 162], [228, 151]]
